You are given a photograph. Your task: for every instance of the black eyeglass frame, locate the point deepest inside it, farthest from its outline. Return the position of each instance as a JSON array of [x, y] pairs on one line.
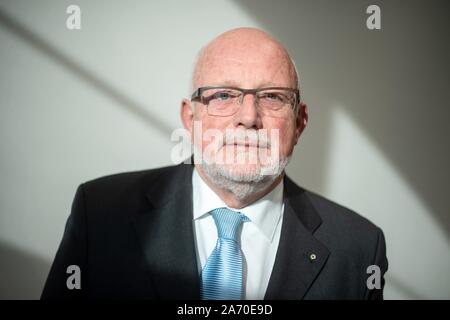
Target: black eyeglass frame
[[197, 94]]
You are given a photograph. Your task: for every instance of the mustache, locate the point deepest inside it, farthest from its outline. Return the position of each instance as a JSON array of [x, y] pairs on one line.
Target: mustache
[[253, 138]]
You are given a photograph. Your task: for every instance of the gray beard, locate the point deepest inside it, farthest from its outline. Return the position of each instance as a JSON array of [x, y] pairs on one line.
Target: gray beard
[[243, 184]]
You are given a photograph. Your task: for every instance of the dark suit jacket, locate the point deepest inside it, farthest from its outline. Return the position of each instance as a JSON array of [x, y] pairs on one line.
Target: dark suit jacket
[[132, 236]]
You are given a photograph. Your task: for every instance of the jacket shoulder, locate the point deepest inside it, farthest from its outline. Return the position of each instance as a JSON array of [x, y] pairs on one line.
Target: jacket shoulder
[[125, 191], [125, 179]]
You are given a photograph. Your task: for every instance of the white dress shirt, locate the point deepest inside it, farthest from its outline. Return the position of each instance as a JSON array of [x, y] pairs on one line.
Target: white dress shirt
[[259, 238]]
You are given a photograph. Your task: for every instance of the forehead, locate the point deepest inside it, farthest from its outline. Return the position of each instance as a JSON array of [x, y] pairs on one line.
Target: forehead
[[246, 64]]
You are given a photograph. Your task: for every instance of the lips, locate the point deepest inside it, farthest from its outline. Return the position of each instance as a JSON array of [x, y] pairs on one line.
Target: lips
[[246, 139]]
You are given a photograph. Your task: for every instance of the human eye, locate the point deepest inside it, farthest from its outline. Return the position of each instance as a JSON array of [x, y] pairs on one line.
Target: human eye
[[274, 97], [223, 95]]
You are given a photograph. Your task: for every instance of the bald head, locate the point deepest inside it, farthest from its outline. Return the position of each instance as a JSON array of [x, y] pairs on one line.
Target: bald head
[[247, 58]]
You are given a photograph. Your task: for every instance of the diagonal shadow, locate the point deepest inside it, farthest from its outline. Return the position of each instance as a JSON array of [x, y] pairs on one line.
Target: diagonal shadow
[[72, 66], [403, 288], [393, 83]]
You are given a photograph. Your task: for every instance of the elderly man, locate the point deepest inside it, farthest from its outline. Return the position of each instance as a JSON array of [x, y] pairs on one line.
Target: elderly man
[[231, 226]]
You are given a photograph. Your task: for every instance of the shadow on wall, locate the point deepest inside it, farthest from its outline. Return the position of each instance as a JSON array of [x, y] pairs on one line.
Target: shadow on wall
[[22, 274], [393, 82], [101, 85], [404, 288]]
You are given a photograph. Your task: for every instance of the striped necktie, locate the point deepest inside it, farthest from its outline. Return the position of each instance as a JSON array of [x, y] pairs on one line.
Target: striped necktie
[[222, 275]]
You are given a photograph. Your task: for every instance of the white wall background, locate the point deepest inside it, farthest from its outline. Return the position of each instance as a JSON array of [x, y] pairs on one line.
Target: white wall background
[[75, 105]]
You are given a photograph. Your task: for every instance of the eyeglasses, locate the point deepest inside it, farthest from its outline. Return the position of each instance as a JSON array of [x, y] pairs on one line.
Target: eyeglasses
[[225, 101]]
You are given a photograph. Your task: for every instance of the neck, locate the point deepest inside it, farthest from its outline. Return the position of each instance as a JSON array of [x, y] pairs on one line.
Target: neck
[[231, 199]]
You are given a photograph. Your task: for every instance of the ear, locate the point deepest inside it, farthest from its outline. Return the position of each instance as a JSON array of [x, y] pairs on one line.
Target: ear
[[187, 114], [301, 120]]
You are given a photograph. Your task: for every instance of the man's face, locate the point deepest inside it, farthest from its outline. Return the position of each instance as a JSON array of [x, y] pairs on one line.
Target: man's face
[[255, 65]]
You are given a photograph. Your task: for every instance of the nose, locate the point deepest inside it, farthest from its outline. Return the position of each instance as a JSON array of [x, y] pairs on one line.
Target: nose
[[248, 115]]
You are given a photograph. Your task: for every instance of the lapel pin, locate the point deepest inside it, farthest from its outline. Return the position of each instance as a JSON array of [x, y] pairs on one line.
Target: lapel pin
[[312, 257]]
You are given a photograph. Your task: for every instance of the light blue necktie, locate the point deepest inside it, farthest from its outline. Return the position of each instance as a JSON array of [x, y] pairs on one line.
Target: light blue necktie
[[222, 275]]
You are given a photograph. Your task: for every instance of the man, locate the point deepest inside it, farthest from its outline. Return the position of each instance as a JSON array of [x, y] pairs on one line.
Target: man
[[231, 226]]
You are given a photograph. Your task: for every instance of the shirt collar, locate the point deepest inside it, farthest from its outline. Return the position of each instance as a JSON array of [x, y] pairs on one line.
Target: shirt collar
[[265, 213]]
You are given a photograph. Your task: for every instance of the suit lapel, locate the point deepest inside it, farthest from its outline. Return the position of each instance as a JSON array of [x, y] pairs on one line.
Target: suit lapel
[[300, 256], [166, 235]]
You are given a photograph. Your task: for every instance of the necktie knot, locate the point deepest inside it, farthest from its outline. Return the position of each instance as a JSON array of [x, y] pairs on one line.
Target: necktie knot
[[228, 223]]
